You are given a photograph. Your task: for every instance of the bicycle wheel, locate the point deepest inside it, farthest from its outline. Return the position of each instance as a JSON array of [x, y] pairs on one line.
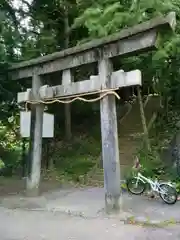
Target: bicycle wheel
[[134, 187], [170, 194]]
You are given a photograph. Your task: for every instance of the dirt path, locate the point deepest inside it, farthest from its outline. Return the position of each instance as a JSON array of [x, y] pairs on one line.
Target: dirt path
[[15, 185], [47, 218], [28, 225]]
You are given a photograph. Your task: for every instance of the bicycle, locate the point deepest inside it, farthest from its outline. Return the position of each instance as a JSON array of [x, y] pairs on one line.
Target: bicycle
[[166, 191]]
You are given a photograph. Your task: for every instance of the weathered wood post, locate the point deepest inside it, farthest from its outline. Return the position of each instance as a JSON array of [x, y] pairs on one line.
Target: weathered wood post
[[68, 132], [24, 162], [110, 148], [67, 79], [33, 179]]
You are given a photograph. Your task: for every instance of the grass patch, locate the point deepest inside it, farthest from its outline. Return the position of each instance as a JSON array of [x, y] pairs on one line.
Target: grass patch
[[76, 158]]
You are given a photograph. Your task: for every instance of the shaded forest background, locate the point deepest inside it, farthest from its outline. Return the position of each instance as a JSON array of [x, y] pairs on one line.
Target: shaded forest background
[[29, 29]]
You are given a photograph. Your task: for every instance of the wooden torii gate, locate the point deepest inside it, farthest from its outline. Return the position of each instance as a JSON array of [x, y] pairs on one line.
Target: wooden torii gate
[[140, 38]]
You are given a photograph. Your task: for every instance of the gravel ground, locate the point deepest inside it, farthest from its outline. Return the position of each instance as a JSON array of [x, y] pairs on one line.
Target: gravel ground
[[38, 225]]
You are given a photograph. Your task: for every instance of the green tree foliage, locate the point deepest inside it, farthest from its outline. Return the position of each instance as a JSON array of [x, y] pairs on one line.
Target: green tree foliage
[[102, 18], [106, 17], [10, 39]]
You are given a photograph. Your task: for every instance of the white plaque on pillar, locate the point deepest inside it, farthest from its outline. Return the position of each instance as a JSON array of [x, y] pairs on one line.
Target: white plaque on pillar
[[48, 125]]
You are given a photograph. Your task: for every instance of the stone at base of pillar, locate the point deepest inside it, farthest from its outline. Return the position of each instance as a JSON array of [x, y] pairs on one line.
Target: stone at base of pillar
[[31, 191], [113, 204]]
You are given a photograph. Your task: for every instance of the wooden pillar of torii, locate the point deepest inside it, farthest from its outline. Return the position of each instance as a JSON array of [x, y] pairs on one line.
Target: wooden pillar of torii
[[142, 37]]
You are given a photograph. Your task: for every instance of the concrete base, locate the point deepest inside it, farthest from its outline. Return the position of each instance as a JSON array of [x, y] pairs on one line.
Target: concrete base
[[89, 203], [32, 193]]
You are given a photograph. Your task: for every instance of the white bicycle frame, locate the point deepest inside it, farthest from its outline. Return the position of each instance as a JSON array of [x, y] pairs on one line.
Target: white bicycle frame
[[155, 185]]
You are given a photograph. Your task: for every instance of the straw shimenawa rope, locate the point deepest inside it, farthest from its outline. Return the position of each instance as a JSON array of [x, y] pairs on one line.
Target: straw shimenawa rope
[[80, 97]]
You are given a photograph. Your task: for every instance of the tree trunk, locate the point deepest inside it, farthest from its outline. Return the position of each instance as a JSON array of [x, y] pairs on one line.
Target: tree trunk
[[143, 119]]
